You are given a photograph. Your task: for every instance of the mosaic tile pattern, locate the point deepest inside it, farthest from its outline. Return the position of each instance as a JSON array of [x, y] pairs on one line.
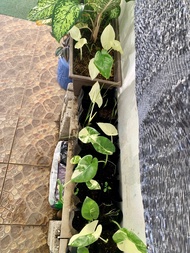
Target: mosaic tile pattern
[[24, 198], [10, 99], [23, 239], [34, 142], [7, 132], [3, 169], [30, 107], [42, 101]]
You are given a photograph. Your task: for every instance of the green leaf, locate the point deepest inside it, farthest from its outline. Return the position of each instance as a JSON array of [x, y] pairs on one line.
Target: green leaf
[[65, 15], [93, 185], [88, 235], [85, 170], [75, 159], [114, 13], [128, 241], [87, 133], [108, 129], [104, 63], [104, 5], [90, 209], [82, 250], [43, 10], [95, 94], [93, 71], [103, 145]]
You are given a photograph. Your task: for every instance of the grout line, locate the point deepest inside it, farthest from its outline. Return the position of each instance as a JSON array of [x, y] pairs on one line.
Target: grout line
[[24, 225], [1, 193]]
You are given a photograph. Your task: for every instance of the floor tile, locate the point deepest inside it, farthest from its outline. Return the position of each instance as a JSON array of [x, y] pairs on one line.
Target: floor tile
[[18, 34], [34, 142], [24, 197], [7, 131], [23, 239], [14, 66], [3, 169], [43, 101], [11, 96]]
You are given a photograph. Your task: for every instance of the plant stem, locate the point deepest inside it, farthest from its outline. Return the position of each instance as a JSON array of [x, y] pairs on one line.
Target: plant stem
[[105, 162], [67, 183], [105, 241], [80, 53], [90, 118], [116, 224]]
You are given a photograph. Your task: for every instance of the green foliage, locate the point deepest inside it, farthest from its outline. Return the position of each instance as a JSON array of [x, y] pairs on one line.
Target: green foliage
[[128, 241], [106, 187], [75, 159], [59, 203], [90, 209], [63, 14], [100, 143], [85, 170], [88, 235], [108, 129], [93, 185], [95, 95], [103, 62], [43, 10], [64, 17], [82, 250]]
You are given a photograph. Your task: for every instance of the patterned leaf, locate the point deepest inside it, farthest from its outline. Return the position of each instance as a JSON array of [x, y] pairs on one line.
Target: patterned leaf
[[65, 15], [43, 10], [103, 5]]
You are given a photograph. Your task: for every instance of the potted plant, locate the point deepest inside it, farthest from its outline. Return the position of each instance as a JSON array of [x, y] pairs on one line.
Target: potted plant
[[94, 16]]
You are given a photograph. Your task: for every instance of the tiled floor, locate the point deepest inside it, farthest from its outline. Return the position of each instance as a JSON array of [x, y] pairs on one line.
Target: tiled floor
[[30, 106]]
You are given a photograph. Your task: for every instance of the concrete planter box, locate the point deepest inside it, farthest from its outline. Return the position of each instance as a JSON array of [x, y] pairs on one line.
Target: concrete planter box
[[61, 231]]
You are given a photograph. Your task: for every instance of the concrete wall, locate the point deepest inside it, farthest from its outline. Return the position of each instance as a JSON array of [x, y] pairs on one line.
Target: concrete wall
[[128, 128]]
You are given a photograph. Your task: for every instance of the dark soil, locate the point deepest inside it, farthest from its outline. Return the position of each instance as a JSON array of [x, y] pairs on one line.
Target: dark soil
[[80, 67], [108, 198]]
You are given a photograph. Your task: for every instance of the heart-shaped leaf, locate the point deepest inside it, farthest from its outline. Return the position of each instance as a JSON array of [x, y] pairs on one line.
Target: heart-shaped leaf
[[128, 241], [95, 95], [103, 145], [87, 133], [107, 37], [104, 63], [90, 209], [85, 170], [88, 235]]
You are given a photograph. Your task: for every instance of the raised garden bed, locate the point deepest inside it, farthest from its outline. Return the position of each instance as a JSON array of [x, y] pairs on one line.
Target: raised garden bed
[[84, 203]]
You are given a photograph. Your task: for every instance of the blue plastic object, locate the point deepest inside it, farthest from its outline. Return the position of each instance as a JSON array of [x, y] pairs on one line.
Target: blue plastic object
[[63, 73]]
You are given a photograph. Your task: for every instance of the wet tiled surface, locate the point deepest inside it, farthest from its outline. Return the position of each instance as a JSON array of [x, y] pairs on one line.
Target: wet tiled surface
[[30, 107]]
